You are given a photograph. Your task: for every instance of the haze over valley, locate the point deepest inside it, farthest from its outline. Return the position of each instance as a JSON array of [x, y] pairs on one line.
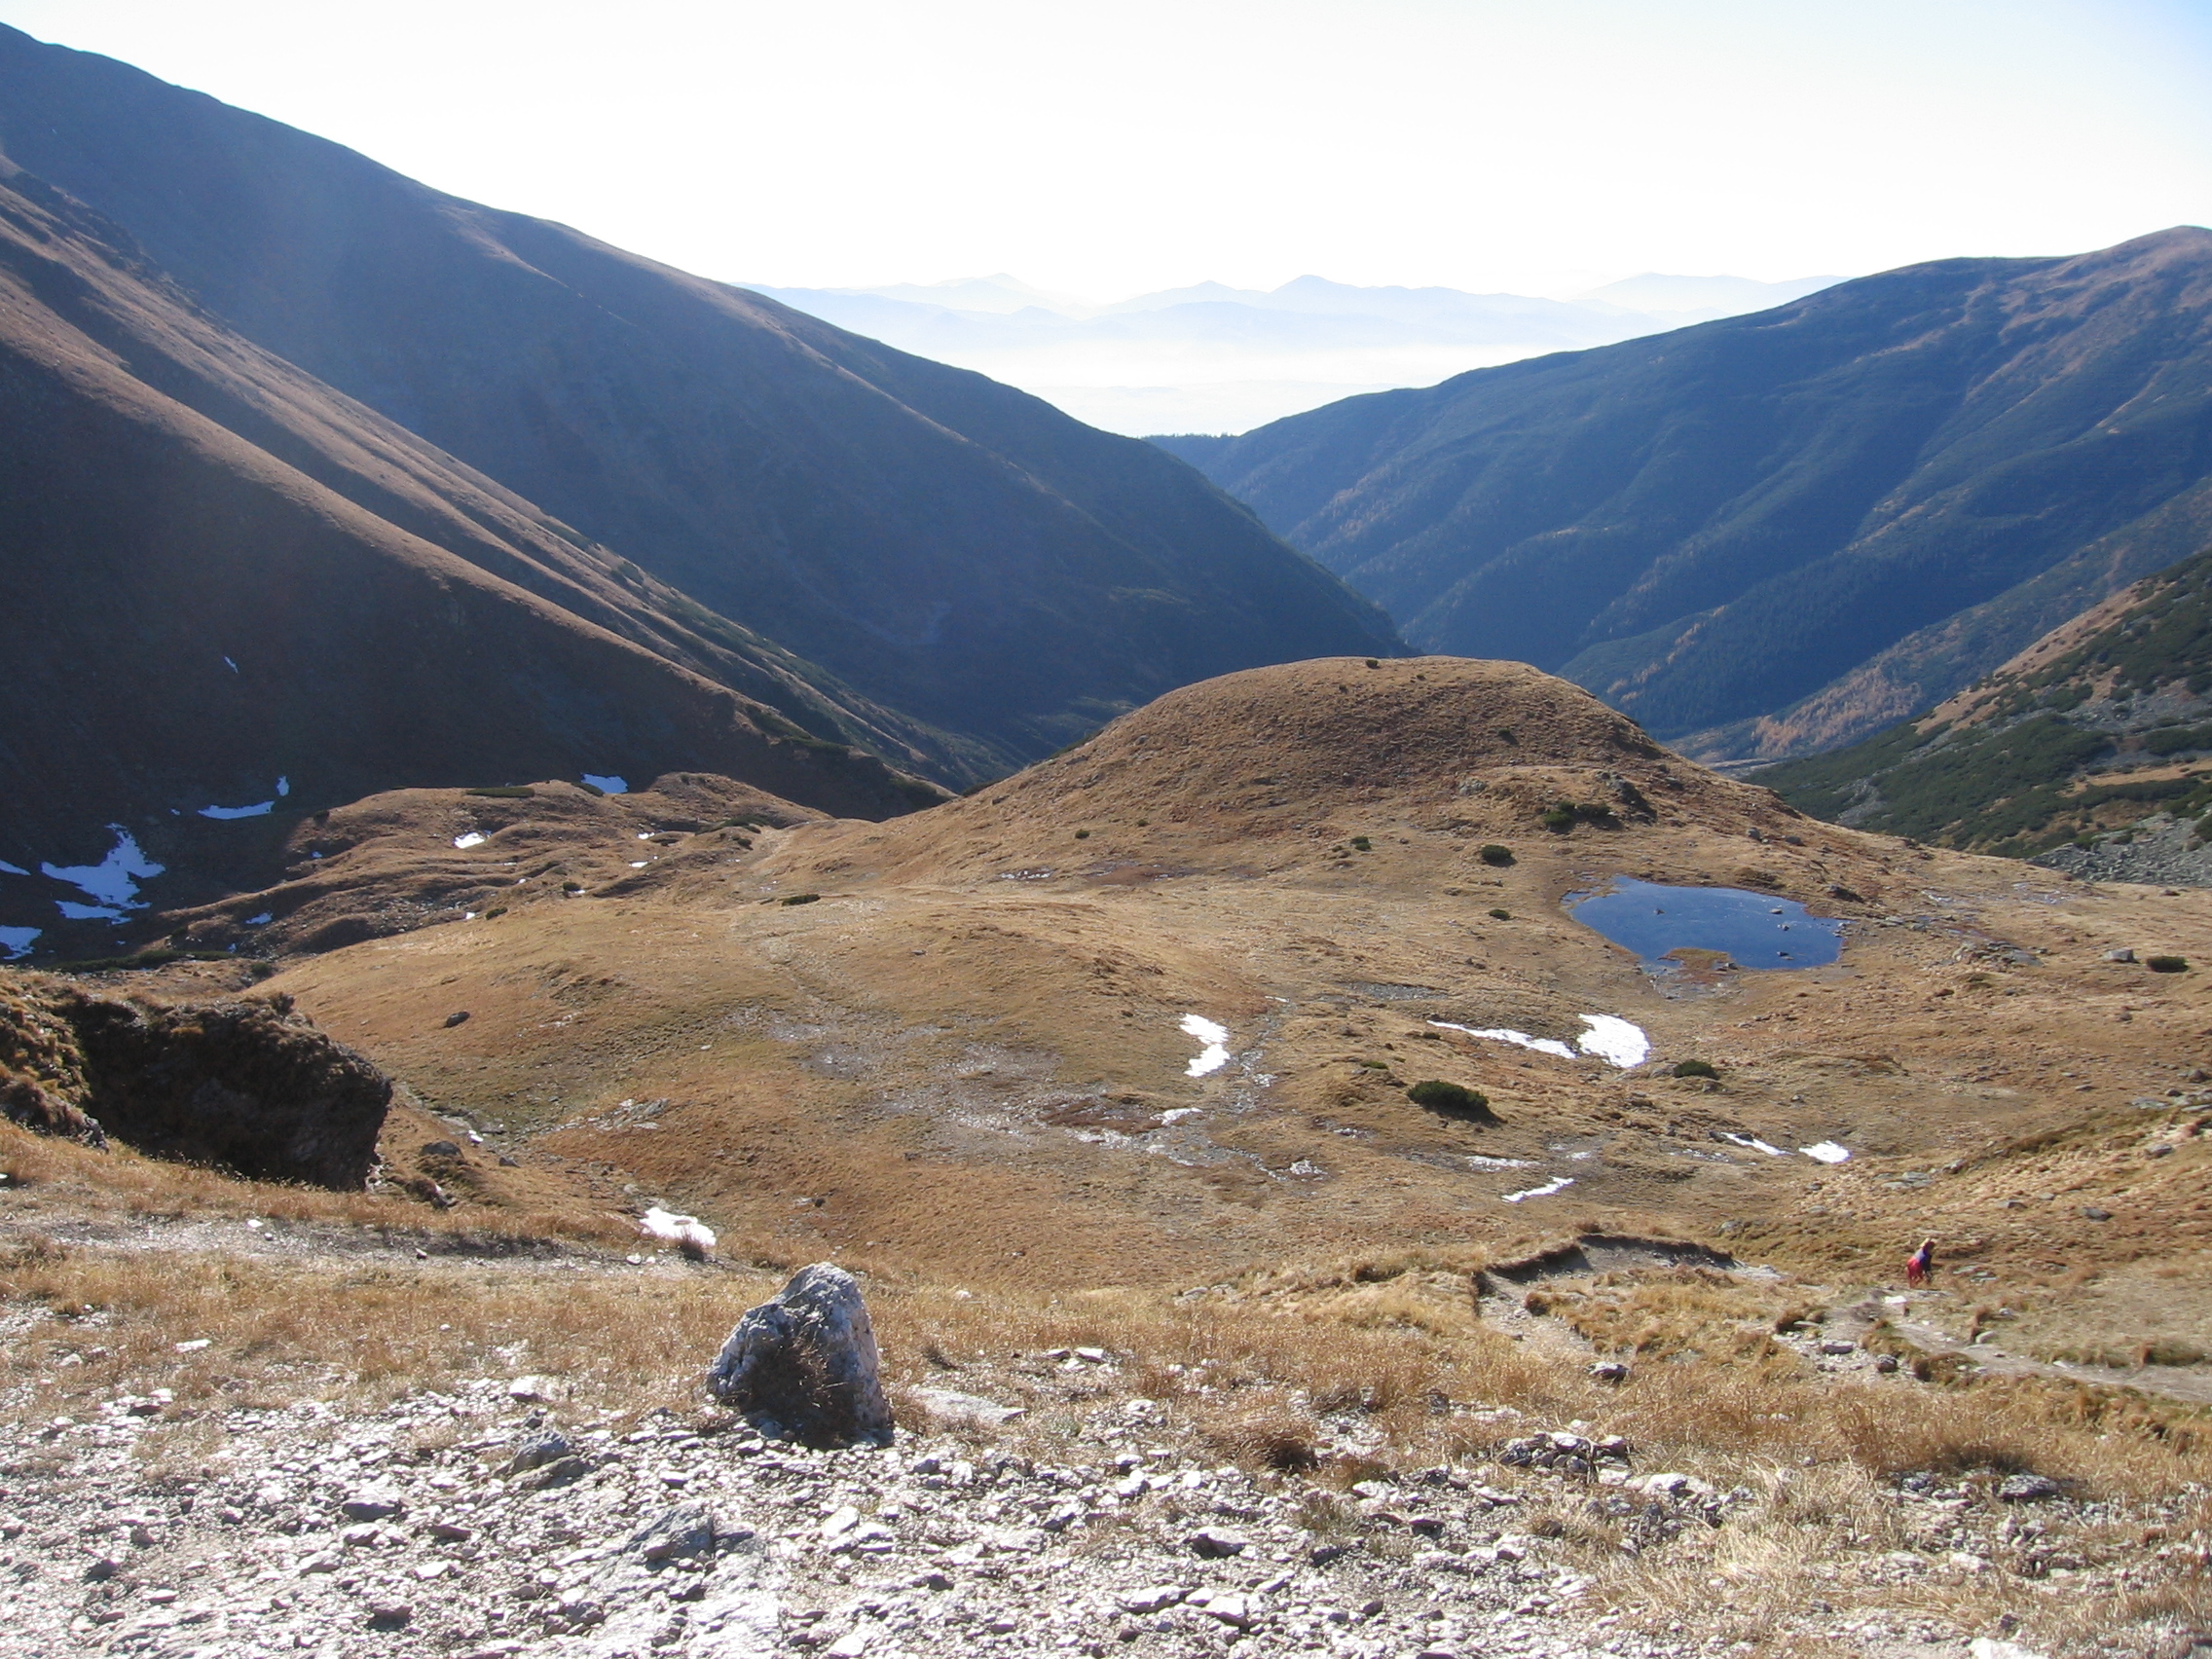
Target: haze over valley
[[1213, 359]]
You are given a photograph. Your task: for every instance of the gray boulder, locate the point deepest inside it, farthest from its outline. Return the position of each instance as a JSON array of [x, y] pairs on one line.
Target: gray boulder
[[804, 1366]]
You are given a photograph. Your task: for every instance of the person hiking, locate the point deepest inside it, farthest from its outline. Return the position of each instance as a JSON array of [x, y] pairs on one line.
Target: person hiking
[[1920, 1265]]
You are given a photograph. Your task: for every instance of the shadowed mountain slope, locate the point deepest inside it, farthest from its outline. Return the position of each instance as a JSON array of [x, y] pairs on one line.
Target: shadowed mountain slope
[[1719, 525], [229, 585], [2103, 719], [952, 548]]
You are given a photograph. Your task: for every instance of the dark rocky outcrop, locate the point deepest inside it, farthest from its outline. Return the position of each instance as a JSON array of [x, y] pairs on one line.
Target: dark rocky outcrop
[[243, 1083], [804, 1366]]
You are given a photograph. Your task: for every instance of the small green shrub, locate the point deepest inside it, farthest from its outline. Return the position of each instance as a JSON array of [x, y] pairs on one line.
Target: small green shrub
[[494, 910], [571, 887], [506, 791], [1493, 854], [1453, 1100], [262, 970], [2166, 964], [1080, 834], [804, 899], [1695, 1068], [1361, 844], [590, 789], [1559, 819], [1374, 662], [1502, 916]]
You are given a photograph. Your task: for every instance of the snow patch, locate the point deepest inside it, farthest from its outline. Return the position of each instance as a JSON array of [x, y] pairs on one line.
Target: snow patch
[[7, 868], [113, 881], [608, 784], [18, 941], [1476, 1160], [474, 838], [1520, 1039], [260, 810], [1755, 1143], [674, 1229], [283, 786], [72, 911], [260, 921], [1215, 1054], [1826, 1152], [1614, 1041], [1543, 1192], [228, 664]]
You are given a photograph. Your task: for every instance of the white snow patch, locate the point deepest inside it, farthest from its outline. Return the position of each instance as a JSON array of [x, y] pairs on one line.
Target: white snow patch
[[1182, 1112], [1215, 1054], [474, 838], [260, 921], [228, 664], [283, 786], [1544, 1191], [1520, 1039], [1476, 1160], [609, 783], [73, 911], [19, 939], [114, 880], [1826, 1152], [1614, 1041], [1754, 1142], [639, 864], [259, 809], [7, 868], [674, 1229]]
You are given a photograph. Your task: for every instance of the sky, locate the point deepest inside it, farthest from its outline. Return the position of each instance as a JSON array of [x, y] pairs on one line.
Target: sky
[[1105, 149]]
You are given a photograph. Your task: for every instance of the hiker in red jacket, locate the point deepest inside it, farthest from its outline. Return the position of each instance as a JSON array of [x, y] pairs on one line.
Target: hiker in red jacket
[[1920, 1263]]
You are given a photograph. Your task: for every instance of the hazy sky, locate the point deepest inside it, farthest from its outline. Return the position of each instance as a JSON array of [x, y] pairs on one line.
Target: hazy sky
[[1536, 145]]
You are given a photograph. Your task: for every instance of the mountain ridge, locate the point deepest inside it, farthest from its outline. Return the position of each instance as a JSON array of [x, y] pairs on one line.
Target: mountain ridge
[[1715, 524], [951, 549]]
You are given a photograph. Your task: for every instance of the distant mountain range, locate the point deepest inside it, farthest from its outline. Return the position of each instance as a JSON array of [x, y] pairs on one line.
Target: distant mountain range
[[315, 482], [1213, 358], [1775, 534]]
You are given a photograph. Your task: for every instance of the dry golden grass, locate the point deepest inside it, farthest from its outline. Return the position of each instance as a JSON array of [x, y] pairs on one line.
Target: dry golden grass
[[1296, 1392], [47, 1175]]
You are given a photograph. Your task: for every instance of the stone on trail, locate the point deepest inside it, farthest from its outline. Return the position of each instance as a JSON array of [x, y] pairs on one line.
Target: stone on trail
[[804, 1366], [2027, 1489], [1214, 1542], [682, 1532], [539, 1450]]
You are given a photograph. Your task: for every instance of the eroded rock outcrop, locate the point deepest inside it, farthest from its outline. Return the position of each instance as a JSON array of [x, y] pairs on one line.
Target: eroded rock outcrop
[[244, 1081], [804, 1366]]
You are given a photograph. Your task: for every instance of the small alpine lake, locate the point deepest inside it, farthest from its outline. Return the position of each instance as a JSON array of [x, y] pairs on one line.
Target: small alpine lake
[[1673, 928]]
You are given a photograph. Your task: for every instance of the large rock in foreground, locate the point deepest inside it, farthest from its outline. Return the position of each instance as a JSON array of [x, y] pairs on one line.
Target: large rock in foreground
[[242, 1082], [804, 1366]]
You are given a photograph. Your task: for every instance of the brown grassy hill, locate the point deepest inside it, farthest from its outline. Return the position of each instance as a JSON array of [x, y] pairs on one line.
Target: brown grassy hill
[[953, 1044], [222, 575], [953, 548]]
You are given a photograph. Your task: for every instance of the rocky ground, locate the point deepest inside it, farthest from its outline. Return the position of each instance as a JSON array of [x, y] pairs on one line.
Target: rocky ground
[[2161, 850], [494, 1516]]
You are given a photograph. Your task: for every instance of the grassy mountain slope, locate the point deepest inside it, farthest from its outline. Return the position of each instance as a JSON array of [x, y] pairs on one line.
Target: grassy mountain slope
[[2104, 718], [221, 574], [952, 548], [1726, 521]]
